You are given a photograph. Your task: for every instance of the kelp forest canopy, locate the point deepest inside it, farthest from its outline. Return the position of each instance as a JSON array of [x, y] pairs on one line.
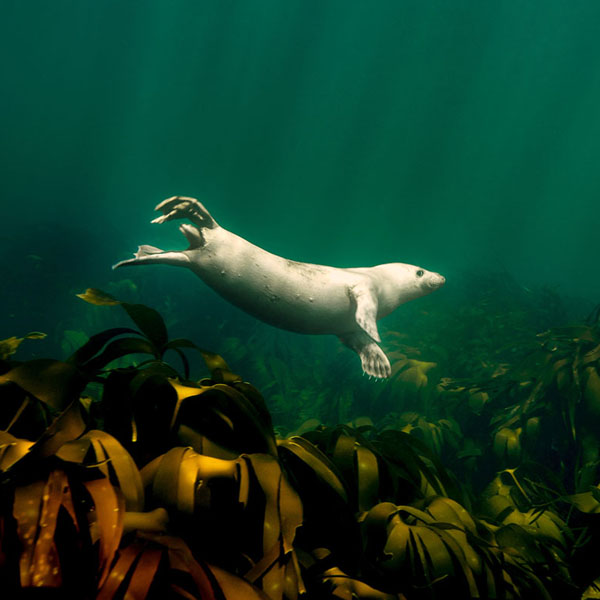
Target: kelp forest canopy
[[123, 475]]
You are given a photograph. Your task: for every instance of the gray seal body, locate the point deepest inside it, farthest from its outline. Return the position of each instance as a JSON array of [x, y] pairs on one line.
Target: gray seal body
[[297, 296]]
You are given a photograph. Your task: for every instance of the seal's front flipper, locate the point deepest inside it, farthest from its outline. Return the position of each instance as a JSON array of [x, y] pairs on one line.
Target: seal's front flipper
[[366, 309], [182, 207], [150, 255], [374, 361]]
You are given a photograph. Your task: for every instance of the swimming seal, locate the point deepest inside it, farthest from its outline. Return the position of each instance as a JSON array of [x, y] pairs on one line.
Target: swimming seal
[[296, 296]]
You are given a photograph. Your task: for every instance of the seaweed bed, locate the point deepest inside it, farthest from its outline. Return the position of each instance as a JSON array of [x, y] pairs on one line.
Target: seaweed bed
[[123, 477]]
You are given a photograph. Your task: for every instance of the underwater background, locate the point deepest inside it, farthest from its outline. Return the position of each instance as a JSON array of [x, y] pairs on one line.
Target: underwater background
[[463, 137], [460, 136]]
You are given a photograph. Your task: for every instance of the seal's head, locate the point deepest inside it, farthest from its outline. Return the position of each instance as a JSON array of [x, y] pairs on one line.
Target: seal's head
[[427, 281], [417, 281], [398, 283]]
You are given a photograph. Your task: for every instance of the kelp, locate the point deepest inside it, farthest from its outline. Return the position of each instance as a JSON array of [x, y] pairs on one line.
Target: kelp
[[10, 345], [121, 476]]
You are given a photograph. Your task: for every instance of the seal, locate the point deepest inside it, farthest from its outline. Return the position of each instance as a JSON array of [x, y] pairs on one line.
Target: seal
[[301, 297]]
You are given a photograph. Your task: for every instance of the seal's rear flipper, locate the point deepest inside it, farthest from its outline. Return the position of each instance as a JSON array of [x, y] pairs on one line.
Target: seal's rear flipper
[[150, 255], [374, 361], [182, 207]]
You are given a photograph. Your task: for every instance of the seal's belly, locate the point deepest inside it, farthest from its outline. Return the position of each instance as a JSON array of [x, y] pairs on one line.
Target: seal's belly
[[291, 295]]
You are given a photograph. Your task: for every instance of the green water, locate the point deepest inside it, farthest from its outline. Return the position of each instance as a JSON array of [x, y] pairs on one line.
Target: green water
[[454, 135], [459, 135]]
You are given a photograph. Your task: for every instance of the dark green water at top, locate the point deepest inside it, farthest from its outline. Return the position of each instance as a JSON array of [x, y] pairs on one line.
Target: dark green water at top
[[454, 135]]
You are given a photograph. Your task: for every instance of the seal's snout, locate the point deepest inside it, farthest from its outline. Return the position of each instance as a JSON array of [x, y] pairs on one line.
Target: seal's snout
[[437, 280]]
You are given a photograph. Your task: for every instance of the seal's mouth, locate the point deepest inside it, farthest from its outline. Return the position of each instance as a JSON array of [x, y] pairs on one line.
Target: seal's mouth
[[436, 281]]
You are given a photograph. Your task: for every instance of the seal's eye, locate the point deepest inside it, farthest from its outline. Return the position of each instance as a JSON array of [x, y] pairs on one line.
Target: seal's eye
[[420, 273]]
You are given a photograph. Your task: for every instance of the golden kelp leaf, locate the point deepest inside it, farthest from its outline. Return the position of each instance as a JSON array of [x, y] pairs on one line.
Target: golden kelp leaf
[[347, 588], [75, 451], [35, 335], [343, 454], [162, 564], [414, 424], [361, 423], [109, 508], [585, 502], [293, 586], [413, 462], [98, 297], [183, 392], [181, 560], [507, 446], [318, 462], [546, 524], [513, 538], [419, 546], [233, 587], [12, 450], [144, 573], [376, 519], [497, 486], [53, 382], [9, 346], [367, 477], [150, 323], [467, 558], [497, 506], [436, 557], [592, 355], [284, 508], [459, 540], [426, 552], [413, 377], [591, 393], [166, 488], [397, 546], [45, 568], [431, 434], [175, 476], [502, 494], [416, 372], [36, 508], [307, 425], [112, 460], [398, 361], [592, 592], [448, 511], [273, 506], [202, 444], [532, 429], [360, 468], [215, 363], [281, 518], [563, 370], [249, 416], [477, 400], [232, 418], [126, 558], [70, 424]]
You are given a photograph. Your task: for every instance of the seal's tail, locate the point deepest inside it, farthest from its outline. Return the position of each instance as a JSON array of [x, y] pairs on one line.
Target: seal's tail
[[150, 255]]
